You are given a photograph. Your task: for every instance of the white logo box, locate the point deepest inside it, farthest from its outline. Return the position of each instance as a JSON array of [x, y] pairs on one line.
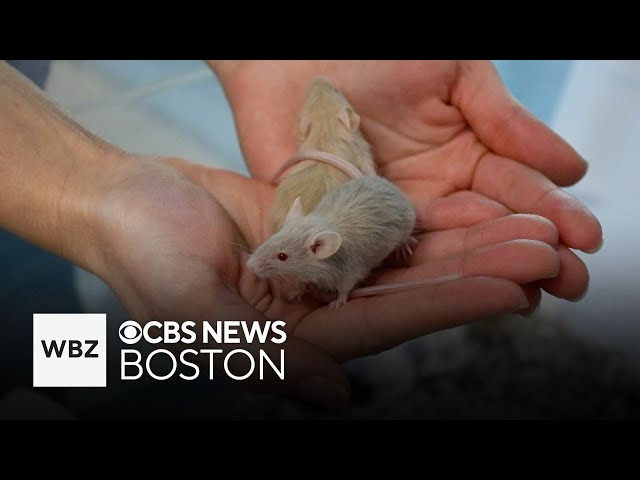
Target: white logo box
[[75, 360]]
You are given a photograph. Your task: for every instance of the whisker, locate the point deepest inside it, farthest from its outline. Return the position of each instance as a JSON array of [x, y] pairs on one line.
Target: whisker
[[240, 245], [240, 249]]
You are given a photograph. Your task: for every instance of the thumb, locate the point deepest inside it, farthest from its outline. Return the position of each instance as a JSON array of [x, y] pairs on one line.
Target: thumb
[[508, 129]]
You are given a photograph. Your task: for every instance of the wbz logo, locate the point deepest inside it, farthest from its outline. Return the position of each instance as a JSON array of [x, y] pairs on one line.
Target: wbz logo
[[69, 350], [75, 348]]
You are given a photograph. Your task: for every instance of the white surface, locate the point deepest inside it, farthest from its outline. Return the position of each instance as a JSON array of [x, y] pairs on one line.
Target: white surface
[[599, 114]]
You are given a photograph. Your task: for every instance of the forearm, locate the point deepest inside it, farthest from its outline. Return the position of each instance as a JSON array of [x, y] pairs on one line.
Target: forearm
[[51, 172]]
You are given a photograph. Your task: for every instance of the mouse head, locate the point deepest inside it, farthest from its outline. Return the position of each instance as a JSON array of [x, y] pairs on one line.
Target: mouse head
[[328, 108], [299, 249]]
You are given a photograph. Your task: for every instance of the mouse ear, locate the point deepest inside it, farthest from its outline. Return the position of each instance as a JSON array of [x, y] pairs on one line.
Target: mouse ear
[[349, 118], [324, 244], [303, 128], [295, 211]]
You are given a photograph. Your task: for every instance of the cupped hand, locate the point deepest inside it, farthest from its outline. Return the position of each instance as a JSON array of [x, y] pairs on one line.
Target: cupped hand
[[478, 167], [169, 251], [212, 239], [174, 238]]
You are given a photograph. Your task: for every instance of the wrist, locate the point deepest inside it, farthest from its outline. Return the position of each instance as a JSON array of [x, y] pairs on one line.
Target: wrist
[[81, 208], [52, 172]]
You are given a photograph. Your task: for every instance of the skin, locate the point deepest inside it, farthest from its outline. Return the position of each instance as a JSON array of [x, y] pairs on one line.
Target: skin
[[449, 133], [165, 234]]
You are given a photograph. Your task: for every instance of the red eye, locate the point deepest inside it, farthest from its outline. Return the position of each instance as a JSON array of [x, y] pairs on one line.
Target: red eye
[[282, 256]]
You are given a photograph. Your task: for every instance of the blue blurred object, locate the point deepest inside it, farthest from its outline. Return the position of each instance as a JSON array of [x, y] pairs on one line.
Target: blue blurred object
[[35, 70], [32, 281], [188, 94], [537, 84]]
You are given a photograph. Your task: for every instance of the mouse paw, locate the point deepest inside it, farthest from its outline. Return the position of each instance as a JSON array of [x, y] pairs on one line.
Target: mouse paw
[[338, 302], [295, 295], [404, 251]]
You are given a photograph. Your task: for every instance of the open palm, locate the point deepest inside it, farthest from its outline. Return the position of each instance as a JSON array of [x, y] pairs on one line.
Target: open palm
[[478, 167]]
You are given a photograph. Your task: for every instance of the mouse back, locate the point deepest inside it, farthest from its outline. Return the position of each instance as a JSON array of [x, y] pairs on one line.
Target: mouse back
[[328, 123], [369, 209]]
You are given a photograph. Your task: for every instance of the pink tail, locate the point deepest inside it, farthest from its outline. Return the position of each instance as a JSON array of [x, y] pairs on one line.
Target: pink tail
[[327, 158], [400, 287]]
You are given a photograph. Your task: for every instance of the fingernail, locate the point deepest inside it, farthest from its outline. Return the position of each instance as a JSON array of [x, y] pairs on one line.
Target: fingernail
[[597, 248], [574, 300], [586, 162], [323, 392], [534, 311]]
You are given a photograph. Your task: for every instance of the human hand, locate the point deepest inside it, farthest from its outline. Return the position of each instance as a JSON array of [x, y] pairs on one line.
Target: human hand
[[361, 327], [162, 235], [478, 167], [161, 242], [169, 251]]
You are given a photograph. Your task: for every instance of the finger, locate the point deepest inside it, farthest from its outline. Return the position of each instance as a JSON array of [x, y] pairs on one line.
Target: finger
[[524, 190], [451, 243], [461, 209], [507, 128], [534, 296], [521, 261], [572, 281], [369, 325]]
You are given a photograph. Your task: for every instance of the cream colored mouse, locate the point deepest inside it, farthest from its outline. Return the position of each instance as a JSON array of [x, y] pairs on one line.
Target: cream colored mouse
[[328, 124], [330, 250], [335, 219]]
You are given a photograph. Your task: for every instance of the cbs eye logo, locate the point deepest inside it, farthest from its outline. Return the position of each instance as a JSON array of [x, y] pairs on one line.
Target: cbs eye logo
[[130, 332]]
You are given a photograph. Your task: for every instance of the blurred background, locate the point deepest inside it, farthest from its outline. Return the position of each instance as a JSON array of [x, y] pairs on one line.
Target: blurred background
[[178, 108]]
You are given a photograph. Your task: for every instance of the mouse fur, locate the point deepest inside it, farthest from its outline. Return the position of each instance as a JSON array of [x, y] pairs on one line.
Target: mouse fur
[[327, 123], [334, 247]]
